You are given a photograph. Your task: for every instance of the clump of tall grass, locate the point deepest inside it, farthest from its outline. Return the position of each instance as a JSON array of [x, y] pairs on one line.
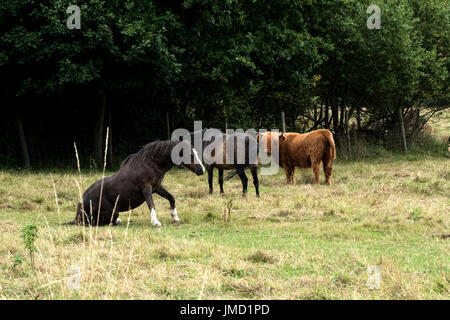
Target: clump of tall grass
[[423, 144], [427, 144], [260, 256]]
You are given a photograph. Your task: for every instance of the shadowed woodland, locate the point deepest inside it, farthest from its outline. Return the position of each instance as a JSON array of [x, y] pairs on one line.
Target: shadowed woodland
[[144, 68]]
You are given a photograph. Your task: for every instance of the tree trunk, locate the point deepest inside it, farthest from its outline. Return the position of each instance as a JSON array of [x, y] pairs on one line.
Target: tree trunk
[[327, 115], [358, 117], [342, 116], [283, 122], [320, 113], [402, 129], [23, 142], [335, 116], [315, 113], [97, 141], [110, 149]]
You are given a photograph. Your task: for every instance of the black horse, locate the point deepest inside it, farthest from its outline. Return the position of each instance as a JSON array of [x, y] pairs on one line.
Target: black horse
[[139, 176], [239, 144]]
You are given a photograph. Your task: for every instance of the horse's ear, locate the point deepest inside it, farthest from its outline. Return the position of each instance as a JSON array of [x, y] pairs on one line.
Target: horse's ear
[[282, 137], [257, 136]]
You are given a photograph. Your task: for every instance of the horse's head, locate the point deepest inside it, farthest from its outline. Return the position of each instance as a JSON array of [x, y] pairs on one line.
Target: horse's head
[[191, 161], [266, 139]]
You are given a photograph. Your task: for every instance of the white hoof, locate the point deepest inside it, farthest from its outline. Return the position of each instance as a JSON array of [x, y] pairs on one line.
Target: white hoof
[[118, 221], [153, 219], [156, 224], [174, 215]]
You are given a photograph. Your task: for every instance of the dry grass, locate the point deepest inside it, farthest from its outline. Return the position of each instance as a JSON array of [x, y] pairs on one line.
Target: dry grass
[[296, 242], [441, 125]]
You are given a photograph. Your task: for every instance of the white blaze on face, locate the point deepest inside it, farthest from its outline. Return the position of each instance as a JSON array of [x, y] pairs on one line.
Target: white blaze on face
[[198, 160], [154, 219], [174, 215]]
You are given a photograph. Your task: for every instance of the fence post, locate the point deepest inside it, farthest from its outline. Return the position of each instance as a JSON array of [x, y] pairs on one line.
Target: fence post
[[348, 133], [356, 142], [283, 122], [23, 142], [168, 125], [110, 150], [402, 129]]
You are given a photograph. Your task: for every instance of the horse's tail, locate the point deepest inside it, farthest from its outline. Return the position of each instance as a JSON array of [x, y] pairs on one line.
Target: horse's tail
[[77, 217], [236, 171], [332, 145], [242, 167]]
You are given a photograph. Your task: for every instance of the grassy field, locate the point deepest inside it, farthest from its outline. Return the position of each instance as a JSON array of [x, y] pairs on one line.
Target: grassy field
[[296, 242], [441, 124]]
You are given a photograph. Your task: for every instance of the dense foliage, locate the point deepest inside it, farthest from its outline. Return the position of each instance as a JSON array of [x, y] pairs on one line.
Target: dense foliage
[[141, 66]]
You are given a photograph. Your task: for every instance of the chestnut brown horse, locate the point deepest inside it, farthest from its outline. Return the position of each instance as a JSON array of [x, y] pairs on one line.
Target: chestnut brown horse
[[139, 176], [305, 150]]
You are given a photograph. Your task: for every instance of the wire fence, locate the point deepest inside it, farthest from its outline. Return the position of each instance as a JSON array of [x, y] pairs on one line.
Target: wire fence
[[56, 150], [359, 144]]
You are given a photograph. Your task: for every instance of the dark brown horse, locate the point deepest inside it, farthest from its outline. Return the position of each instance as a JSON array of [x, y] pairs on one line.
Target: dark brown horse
[[139, 176], [239, 152]]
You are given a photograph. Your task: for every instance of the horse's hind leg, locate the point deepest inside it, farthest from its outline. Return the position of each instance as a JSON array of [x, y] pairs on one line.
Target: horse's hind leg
[[328, 170], [100, 212], [316, 169], [210, 170], [221, 180], [289, 171], [104, 217], [109, 215], [114, 213], [288, 175], [173, 210], [244, 181], [292, 173], [254, 171]]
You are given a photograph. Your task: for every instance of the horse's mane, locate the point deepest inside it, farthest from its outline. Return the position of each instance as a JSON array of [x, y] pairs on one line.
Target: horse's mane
[[153, 150]]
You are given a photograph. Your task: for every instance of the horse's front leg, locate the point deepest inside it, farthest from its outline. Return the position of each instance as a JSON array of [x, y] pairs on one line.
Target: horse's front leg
[[165, 194], [147, 192]]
